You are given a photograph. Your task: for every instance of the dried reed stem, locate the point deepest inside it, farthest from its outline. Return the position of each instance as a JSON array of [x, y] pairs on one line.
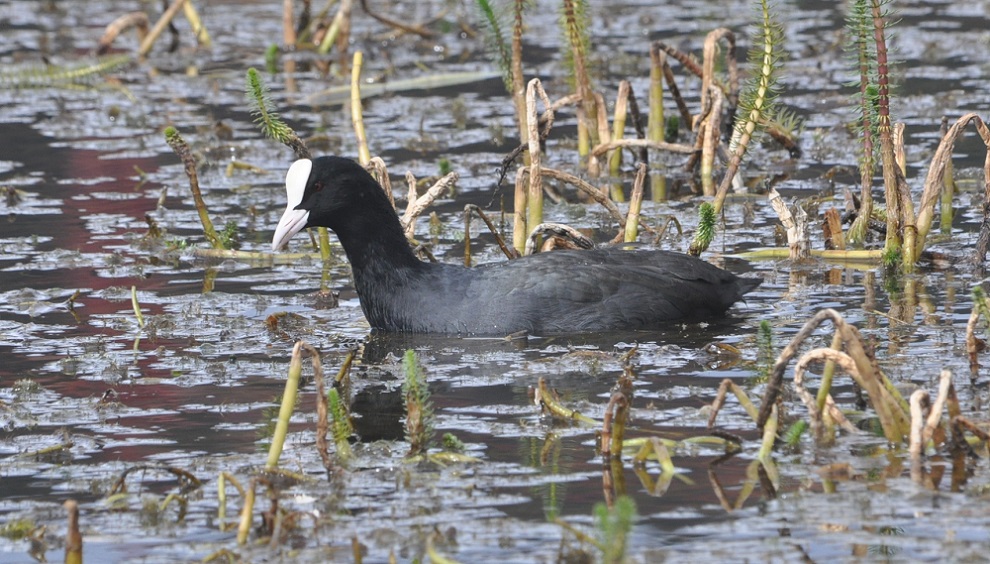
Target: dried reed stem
[[890, 407], [468, 209], [137, 20], [631, 230], [934, 181]]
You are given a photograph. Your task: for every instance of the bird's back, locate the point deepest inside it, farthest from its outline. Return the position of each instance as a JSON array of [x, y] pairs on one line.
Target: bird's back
[[563, 291]]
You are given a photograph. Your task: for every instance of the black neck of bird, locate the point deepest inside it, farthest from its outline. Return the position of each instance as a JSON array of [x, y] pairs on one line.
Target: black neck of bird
[[375, 244]]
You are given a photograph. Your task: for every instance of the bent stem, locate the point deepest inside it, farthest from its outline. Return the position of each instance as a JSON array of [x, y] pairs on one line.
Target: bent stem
[[547, 400], [614, 426], [934, 182], [891, 408], [178, 144], [285, 410]]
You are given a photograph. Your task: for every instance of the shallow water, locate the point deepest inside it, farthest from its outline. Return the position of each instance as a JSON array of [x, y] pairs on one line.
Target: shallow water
[[196, 387]]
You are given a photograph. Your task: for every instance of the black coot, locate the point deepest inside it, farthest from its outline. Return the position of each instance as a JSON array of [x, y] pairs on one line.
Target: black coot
[[554, 292]]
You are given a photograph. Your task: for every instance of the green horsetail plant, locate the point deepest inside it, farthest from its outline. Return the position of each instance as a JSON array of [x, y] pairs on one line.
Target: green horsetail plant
[[518, 79], [419, 408], [267, 118], [271, 58], [613, 525], [860, 25], [574, 21], [340, 425], [764, 350], [76, 74], [756, 101], [495, 41], [792, 436], [507, 55], [901, 232], [178, 144], [706, 229]]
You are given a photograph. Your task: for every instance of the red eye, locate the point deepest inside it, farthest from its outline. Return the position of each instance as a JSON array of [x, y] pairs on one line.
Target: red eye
[[317, 186]]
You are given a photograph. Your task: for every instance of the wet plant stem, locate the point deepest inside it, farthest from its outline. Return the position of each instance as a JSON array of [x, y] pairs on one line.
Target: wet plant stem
[[519, 201], [178, 144], [322, 421], [357, 114], [631, 230], [757, 100], [247, 511], [334, 31], [137, 307], [575, 29], [948, 189], [534, 195], [769, 436], [614, 426], [826, 386], [546, 400], [897, 231], [935, 180], [618, 129], [222, 480], [518, 79], [655, 121], [847, 255], [196, 23], [891, 408], [159, 27], [285, 410], [289, 24], [468, 209], [73, 538]]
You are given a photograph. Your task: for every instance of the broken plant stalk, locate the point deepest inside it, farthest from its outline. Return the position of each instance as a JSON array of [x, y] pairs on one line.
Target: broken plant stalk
[[178, 144]]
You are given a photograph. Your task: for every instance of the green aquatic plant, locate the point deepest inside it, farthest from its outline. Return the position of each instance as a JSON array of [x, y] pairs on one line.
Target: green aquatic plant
[[494, 21], [340, 424], [859, 23], [792, 436], [287, 406], [271, 58], [758, 96], [613, 525], [574, 22], [178, 144], [84, 73], [420, 418], [764, 350], [706, 229], [267, 117], [901, 236]]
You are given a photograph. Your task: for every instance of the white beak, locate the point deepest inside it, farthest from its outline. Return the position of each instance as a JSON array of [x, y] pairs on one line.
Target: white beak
[[293, 221]]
